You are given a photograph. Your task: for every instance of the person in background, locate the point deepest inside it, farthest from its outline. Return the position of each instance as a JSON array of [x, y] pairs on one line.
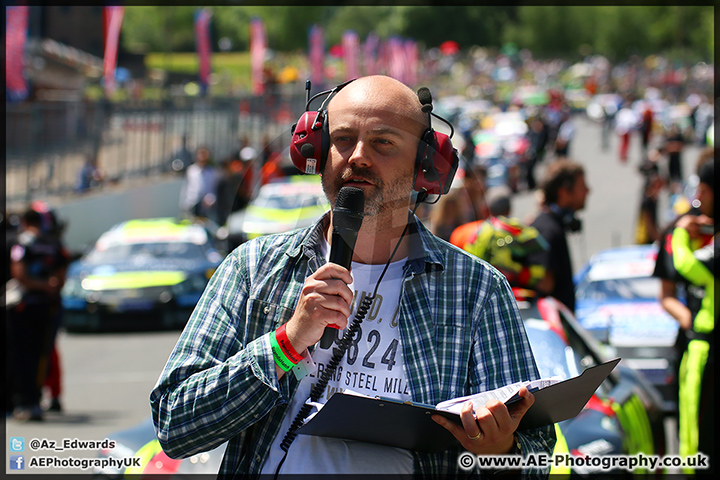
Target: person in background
[[89, 175], [677, 295], [450, 328], [625, 122], [199, 192], [696, 381], [38, 262], [504, 242], [674, 145], [464, 203], [538, 136], [647, 229], [564, 191]]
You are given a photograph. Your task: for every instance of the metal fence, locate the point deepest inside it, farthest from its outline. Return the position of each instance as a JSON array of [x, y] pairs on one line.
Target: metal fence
[[47, 143]]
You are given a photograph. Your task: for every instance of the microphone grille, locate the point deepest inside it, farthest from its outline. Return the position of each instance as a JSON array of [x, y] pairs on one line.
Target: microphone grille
[[425, 98], [351, 199]]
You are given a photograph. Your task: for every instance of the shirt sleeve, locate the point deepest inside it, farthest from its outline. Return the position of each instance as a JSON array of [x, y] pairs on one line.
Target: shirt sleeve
[[214, 385], [503, 327], [685, 261]]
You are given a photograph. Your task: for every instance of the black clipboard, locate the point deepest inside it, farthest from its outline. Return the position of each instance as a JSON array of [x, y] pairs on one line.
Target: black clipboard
[[409, 426]]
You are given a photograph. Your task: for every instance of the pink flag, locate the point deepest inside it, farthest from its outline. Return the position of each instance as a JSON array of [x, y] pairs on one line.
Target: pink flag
[[258, 48], [397, 63], [202, 45], [113, 22], [317, 55], [350, 48], [370, 54], [16, 27], [411, 62]]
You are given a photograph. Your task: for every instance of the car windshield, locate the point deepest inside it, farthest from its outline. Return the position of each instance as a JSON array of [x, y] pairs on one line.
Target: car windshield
[[286, 202], [552, 355], [640, 288], [159, 250]]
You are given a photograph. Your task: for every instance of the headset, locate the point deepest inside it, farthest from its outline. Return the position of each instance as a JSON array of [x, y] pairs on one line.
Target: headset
[[436, 160], [567, 218]]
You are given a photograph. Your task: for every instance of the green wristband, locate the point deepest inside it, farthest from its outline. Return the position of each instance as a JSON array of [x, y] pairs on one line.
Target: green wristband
[[281, 359]]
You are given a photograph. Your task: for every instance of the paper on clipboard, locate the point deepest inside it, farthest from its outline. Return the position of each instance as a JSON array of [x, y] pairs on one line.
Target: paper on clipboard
[[407, 425]]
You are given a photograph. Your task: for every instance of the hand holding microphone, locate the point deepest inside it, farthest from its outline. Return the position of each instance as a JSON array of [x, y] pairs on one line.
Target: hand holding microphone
[[347, 220], [326, 298]]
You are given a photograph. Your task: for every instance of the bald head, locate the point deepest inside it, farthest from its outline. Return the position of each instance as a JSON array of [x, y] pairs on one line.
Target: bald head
[[380, 93]]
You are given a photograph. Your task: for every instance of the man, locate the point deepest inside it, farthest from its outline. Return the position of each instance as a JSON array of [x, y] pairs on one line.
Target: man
[[673, 286], [503, 242], [564, 192], [37, 262], [444, 326], [199, 193]]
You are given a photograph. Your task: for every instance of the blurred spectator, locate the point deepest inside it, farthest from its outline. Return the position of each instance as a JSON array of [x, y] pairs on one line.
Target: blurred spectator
[[674, 145], [38, 262], [564, 192], [538, 137], [228, 189], [696, 382], [504, 242], [565, 134], [646, 128], [673, 286], [199, 193], [89, 176], [647, 229], [625, 122], [464, 203]]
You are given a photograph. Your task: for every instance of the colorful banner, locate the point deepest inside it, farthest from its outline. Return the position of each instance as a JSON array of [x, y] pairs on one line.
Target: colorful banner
[[16, 31], [113, 22], [316, 57], [411, 62], [397, 62], [258, 49], [203, 46], [351, 54], [370, 54]]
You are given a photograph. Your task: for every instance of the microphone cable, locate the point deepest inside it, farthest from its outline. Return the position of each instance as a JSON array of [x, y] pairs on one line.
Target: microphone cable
[[338, 353]]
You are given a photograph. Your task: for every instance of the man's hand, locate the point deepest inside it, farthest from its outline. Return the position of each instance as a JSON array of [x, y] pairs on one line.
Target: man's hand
[[692, 224], [325, 299], [490, 430]]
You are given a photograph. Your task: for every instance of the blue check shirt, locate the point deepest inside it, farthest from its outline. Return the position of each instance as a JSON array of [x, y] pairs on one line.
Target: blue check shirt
[[460, 328]]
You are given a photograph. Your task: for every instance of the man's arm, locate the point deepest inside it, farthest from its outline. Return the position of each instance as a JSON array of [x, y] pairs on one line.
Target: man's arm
[[217, 381]]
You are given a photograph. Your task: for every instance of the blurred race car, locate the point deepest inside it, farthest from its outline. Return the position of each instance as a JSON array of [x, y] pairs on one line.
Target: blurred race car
[[617, 301], [141, 274], [623, 417], [289, 203]]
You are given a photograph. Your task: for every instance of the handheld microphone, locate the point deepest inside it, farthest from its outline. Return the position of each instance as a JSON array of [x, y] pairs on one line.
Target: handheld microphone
[[347, 220]]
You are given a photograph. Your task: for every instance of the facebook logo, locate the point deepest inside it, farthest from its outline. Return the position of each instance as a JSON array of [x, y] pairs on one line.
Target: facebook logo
[[17, 462]]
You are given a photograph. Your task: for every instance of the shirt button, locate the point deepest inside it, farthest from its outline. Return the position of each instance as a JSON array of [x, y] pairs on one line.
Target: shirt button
[[266, 310]]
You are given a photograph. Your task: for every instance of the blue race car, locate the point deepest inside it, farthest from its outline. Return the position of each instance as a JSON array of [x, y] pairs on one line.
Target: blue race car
[[617, 301], [141, 274], [623, 417]]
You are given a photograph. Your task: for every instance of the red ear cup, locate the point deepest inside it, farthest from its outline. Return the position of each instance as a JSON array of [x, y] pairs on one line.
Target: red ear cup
[[436, 163], [308, 148]]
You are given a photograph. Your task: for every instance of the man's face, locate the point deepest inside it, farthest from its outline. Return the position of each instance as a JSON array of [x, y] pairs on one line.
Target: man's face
[[575, 198], [372, 147], [706, 197]]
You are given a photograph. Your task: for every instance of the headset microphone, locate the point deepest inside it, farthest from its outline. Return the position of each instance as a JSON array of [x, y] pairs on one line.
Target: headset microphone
[[346, 219]]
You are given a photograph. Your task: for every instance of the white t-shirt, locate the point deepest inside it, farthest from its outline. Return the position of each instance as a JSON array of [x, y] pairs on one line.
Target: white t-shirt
[[373, 365]]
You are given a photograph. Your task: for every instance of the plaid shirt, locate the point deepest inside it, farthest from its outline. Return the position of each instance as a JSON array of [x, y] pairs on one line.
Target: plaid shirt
[[460, 328]]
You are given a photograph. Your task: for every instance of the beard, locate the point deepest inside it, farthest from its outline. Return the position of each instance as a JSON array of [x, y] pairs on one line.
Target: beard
[[380, 198]]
